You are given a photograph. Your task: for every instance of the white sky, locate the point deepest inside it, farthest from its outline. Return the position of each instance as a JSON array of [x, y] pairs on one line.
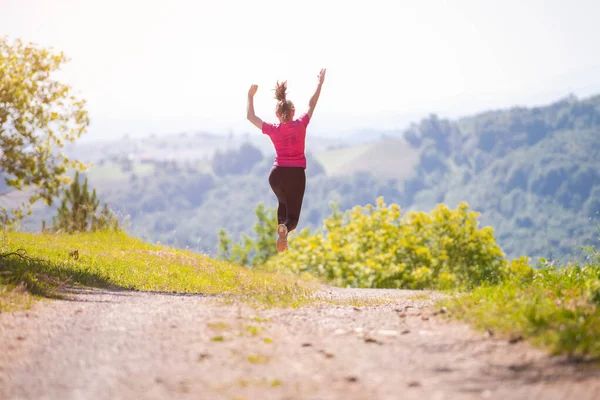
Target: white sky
[[170, 65]]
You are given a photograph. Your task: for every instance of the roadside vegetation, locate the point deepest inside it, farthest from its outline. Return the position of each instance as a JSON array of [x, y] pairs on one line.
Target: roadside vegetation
[[34, 265]]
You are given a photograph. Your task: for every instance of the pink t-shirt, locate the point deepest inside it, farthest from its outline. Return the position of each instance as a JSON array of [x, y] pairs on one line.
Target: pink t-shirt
[[288, 139]]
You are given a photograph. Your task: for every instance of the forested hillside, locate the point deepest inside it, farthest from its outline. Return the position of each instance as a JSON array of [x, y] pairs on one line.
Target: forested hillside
[[533, 173]]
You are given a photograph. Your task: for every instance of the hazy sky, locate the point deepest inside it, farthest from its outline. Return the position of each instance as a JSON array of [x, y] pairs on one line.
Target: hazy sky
[[173, 65]]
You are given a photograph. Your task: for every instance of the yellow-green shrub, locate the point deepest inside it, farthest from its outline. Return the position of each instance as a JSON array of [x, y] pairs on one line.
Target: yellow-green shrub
[[377, 246]]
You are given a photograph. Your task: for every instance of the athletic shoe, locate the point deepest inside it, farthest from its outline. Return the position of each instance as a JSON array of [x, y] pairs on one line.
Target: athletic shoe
[[282, 233]]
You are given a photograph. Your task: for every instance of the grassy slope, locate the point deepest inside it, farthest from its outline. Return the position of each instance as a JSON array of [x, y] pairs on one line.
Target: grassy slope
[[558, 309], [118, 261]]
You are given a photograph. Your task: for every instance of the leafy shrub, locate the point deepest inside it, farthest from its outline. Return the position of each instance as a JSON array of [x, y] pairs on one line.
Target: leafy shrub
[[376, 246], [252, 251]]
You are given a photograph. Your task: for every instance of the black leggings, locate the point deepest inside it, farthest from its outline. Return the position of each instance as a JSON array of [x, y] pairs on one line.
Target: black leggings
[[288, 184]]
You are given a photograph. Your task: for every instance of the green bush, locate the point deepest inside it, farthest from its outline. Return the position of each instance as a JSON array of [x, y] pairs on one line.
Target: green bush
[[377, 246], [252, 251]]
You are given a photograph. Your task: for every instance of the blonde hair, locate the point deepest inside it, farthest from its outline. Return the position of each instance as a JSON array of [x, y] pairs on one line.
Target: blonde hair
[[284, 107]]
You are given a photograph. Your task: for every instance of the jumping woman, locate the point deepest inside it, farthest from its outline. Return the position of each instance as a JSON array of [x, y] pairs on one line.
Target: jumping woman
[[287, 177]]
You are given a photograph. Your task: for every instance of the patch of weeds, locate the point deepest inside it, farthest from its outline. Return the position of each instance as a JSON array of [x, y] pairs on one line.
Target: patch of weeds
[[218, 326], [14, 298], [218, 339], [419, 297], [243, 382], [358, 301], [253, 330], [259, 319], [268, 340], [259, 382], [275, 383], [258, 358]]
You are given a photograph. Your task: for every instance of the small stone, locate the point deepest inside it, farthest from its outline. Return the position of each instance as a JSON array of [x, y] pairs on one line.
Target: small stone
[[387, 332], [20, 337], [306, 344], [326, 354], [444, 310], [425, 318], [414, 384], [356, 308], [203, 356], [352, 379], [404, 332], [402, 315], [372, 340], [339, 331]]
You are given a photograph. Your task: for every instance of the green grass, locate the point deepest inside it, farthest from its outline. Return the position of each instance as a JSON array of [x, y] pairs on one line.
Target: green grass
[[558, 309], [114, 260]]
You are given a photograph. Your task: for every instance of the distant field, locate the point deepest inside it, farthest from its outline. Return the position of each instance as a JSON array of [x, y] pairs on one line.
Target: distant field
[[112, 176], [334, 160], [390, 158]]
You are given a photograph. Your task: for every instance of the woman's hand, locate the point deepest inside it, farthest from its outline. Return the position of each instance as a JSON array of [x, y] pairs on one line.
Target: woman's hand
[[322, 76], [252, 90]]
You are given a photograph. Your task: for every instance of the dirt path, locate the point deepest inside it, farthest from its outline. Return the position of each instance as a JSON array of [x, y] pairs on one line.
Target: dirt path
[[132, 345]]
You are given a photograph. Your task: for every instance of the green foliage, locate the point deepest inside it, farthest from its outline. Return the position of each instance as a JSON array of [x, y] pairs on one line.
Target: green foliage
[[378, 247], [79, 211], [37, 116], [557, 308], [252, 251]]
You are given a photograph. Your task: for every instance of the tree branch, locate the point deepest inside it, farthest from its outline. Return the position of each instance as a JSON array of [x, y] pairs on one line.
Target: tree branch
[[21, 253]]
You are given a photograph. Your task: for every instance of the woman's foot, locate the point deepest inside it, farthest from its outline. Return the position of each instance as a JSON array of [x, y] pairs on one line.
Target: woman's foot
[[282, 233]]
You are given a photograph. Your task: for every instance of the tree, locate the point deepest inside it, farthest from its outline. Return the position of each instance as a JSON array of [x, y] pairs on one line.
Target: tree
[[78, 211], [37, 116], [251, 251], [236, 162]]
